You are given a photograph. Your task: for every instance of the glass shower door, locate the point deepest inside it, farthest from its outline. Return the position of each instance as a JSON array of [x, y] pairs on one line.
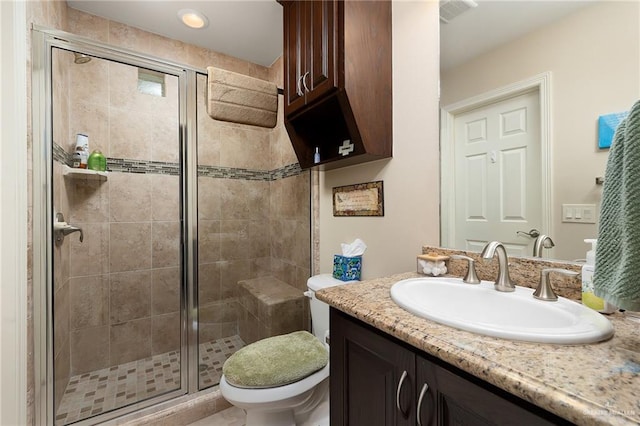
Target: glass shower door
[[118, 298]]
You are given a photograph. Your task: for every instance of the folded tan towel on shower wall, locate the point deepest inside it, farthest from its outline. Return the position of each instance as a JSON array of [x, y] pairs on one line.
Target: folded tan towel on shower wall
[[241, 99]]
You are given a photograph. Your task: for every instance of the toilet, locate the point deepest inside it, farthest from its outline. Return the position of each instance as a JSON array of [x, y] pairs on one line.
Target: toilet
[[301, 403]]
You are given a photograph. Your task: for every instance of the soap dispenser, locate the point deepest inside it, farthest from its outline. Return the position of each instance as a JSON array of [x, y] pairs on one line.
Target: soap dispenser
[[588, 297]]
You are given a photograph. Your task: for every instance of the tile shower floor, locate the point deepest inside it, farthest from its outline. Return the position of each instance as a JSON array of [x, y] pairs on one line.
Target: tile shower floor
[[103, 390]]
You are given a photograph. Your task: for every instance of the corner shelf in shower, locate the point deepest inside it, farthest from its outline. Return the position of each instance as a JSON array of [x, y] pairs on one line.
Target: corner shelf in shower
[[84, 174]]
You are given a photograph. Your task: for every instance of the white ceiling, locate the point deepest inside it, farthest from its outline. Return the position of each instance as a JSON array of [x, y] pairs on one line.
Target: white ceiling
[[246, 29], [252, 29], [494, 22]]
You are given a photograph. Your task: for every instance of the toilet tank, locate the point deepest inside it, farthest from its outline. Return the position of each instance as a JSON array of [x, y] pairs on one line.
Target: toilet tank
[[320, 310]]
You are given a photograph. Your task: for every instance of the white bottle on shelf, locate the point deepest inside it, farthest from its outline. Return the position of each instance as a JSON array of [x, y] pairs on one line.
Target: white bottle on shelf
[[81, 154]]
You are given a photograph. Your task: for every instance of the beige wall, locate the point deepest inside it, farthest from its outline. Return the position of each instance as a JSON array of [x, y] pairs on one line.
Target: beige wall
[[594, 60], [411, 195]]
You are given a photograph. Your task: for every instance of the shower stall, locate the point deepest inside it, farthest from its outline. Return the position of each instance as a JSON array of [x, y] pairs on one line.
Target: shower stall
[[136, 275]]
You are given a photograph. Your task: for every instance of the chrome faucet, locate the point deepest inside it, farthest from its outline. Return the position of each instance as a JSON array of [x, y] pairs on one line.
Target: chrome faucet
[[543, 241], [545, 290], [471, 277], [503, 281]]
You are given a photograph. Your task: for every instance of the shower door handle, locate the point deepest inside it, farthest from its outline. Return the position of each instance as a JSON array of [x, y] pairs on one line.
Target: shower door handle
[[61, 229], [71, 229]]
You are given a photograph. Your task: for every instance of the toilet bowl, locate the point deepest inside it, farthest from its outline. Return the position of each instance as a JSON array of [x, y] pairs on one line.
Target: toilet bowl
[[301, 403], [287, 405]]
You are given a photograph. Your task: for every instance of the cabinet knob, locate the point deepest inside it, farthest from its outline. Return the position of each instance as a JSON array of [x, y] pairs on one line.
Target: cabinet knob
[[304, 81]]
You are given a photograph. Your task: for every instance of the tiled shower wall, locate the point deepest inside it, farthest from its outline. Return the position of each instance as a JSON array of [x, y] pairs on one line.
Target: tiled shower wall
[[290, 207], [248, 227]]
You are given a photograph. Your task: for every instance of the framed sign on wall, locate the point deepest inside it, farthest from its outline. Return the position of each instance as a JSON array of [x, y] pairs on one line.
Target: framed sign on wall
[[362, 199]]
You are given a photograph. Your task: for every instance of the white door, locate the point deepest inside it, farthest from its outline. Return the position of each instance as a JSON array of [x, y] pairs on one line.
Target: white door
[[497, 174]]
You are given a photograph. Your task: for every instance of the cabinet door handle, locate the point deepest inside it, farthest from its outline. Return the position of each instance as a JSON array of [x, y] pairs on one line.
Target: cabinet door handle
[[400, 383], [424, 390], [298, 88], [304, 81]]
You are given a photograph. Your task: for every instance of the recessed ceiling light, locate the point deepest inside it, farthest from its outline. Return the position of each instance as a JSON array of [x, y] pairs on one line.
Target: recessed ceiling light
[[192, 18]]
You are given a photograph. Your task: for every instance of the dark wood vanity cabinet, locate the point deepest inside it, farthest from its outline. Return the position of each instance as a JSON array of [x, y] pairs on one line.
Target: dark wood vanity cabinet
[[379, 380], [337, 80], [365, 369]]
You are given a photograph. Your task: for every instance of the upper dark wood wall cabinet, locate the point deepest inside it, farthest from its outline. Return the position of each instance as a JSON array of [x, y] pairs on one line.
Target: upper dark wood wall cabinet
[[337, 60]]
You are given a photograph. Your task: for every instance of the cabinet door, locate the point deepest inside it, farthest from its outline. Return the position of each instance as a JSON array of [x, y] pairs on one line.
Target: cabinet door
[[295, 36], [453, 400], [372, 377], [323, 49], [310, 46]]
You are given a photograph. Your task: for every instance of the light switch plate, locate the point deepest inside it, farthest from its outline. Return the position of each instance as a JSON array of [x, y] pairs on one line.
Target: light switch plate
[[579, 213]]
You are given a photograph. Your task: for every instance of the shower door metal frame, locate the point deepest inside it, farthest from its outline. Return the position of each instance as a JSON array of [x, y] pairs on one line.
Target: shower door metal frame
[[43, 41]]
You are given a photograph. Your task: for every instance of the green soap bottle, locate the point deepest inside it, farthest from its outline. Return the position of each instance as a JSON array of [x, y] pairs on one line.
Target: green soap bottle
[[97, 161]]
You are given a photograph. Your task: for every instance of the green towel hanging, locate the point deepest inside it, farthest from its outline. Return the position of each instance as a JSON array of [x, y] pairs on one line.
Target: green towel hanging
[[617, 272]]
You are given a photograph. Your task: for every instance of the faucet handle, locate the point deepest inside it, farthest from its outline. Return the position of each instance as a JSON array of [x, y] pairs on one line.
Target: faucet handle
[[471, 277], [545, 290]]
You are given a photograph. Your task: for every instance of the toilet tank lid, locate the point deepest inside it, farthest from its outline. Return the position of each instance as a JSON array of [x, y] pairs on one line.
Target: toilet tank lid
[[318, 282]]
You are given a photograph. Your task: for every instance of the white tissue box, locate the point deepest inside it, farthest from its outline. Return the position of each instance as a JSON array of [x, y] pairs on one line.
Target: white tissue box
[[347, 268]]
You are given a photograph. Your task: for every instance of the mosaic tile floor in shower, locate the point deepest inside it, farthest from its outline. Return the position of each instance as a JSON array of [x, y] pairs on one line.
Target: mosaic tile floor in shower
[[103, 390]]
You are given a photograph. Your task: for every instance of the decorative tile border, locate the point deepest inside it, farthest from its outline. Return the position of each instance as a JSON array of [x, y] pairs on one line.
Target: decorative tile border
[[286, 171], [233, 173], [249, 174], [60, 155], [124, 165]]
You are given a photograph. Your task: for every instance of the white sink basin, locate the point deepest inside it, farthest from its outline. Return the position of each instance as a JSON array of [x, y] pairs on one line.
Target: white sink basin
[[479, 308]]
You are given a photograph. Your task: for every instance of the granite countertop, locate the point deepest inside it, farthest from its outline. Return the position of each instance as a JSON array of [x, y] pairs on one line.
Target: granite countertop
[[596, 384]]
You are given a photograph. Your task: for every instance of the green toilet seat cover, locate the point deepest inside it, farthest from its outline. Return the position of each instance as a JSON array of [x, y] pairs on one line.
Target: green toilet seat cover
[[276, 361]]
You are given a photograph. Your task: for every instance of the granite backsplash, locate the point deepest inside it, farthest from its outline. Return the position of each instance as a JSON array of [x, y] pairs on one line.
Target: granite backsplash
[[524, 271]]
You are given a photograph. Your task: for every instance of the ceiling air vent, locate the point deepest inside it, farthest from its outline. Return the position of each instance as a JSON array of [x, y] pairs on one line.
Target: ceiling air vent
[[450, 9]]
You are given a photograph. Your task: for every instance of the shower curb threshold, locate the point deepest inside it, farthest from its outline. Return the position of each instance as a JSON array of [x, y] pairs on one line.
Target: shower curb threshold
[[180, 411]]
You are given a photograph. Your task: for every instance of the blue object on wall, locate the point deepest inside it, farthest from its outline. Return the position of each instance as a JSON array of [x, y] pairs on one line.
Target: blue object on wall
[[607, 125]]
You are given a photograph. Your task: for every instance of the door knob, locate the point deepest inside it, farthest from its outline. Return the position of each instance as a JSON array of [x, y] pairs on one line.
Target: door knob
[[534, 233]]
